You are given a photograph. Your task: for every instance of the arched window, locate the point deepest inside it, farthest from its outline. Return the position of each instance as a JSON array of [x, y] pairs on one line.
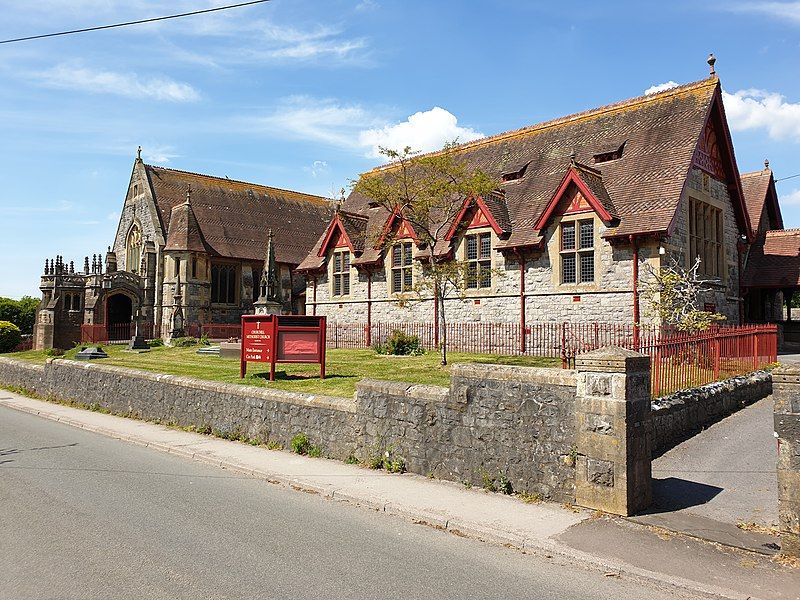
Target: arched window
[[133, 249]]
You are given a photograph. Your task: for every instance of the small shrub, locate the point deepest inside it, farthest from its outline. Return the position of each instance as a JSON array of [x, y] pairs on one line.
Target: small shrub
[[205, 429], [10, 336], [300, 444], [400, 344], [352, 459], [54, 352], [204, 340], [488, 482], [274, 445], [396, 465], [504, 485], [315, 451], [156, 343], [185, 342], [375, 462]]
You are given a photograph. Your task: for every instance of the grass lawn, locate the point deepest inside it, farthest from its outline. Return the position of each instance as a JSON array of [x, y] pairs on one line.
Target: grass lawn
[[344, 367]]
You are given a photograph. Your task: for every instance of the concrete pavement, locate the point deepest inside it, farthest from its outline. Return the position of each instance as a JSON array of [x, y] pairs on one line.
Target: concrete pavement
[[545, 530]]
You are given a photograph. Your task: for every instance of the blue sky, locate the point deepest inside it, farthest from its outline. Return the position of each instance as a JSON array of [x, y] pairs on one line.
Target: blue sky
[[298, 93]]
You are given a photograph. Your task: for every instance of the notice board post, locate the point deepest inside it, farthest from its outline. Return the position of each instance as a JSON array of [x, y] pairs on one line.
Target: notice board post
[[283, 338]]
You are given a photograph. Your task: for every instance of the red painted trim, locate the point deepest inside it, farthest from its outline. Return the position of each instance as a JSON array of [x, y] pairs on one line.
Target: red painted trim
[[387, 228], [336, 223], [572, 176], [480, 205]]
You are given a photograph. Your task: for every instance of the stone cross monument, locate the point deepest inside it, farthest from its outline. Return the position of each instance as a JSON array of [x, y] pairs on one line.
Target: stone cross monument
[[268, 302]]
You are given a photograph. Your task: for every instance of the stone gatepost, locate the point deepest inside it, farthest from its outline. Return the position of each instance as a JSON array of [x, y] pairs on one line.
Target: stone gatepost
[[786, 393], [613, 435]]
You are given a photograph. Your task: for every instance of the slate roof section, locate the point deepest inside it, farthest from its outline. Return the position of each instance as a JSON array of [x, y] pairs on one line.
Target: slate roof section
[[759, 191], [774, 260], [642, 187], [234, 217], [184, 232]]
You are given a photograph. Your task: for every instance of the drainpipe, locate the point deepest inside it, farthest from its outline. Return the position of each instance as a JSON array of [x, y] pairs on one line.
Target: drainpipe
[[521, 261], [369, 308], [436, 316], [314, 305], [740, 295], [635, 292]]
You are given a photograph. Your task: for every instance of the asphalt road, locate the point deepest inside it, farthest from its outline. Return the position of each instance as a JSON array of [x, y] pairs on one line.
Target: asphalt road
[[85, 516]]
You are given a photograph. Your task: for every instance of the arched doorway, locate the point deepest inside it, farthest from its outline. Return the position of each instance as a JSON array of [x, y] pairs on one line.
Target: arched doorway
[[119, 309]]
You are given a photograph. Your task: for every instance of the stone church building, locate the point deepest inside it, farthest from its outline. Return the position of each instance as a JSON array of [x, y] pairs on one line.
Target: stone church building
[[186, 243], [586, 202]]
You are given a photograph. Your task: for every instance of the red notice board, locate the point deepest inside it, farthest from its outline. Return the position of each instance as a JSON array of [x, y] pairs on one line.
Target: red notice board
[[283, 338]]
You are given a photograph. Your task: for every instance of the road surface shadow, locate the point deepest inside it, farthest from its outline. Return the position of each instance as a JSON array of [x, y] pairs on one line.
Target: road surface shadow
[[672, 493]]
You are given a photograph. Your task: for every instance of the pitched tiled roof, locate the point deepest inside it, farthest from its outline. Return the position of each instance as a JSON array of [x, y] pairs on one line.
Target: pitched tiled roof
[[757, 194], [234, 217], [184, 232], [658, 134], [774, 260]]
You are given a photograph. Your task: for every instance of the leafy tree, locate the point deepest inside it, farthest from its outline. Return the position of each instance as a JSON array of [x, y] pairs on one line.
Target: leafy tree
[[9, 336], [672, 295], [428, 191], [21, 312]]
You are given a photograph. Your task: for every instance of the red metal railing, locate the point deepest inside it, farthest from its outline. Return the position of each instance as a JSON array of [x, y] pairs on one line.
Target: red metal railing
[[684, 361]]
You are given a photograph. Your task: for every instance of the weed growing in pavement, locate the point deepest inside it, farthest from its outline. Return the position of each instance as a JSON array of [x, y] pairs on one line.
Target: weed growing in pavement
[[529, 498], [274, 445], [352, 459]]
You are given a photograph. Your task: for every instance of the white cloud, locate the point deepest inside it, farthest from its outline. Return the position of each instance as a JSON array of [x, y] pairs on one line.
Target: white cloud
[[423, 131], [158, 154], [760, 109], [319, 120], [76, 77], [780, 10], [354, 127], [791, 199], [661, 87], [317, 168], [59, 207]]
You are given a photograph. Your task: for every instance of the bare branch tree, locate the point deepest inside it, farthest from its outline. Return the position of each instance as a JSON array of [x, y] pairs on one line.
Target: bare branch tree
[[672, 295]]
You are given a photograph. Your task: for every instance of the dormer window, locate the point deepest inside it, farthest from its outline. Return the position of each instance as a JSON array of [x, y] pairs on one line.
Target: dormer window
[[514, 175], [609, 154]]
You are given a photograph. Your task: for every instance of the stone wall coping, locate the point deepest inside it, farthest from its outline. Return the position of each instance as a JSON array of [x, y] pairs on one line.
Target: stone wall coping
[[247, 391], [433, 393], [541, 375], [787, 373], [17, 362], [612, 359]]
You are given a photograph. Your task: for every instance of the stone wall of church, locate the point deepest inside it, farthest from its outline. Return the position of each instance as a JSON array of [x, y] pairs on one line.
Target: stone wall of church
[[725, 295]]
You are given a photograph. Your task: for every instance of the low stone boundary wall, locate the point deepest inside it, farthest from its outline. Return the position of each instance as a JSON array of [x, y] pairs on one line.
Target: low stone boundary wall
[[495, 421], [679, 416], [25, 375]]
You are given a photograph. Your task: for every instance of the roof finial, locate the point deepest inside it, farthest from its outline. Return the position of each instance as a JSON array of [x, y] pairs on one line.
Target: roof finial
[[766, 164], [139, 153], [572, 157], [188, 193], [711, 60]]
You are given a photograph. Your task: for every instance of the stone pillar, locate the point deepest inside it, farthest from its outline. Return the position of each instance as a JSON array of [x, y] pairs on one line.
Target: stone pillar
[[786, 394], [613, 435]]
